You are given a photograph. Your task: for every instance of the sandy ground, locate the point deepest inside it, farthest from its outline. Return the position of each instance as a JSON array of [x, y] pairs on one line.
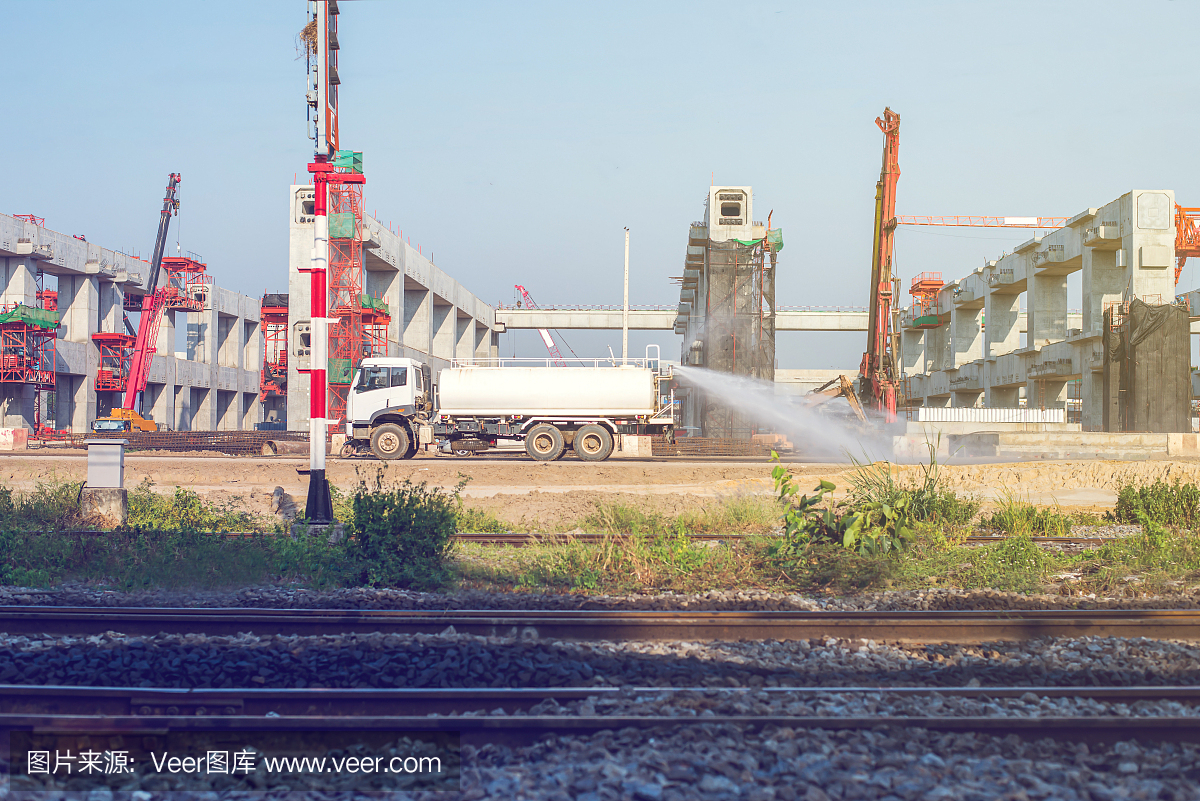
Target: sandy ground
[[558, 493]]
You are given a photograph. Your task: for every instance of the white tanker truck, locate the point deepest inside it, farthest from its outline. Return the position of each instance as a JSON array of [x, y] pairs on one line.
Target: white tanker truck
[[393, 407]]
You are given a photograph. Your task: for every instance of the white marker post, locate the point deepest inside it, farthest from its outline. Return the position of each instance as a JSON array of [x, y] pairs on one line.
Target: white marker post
[[625, 308], [319, 509]]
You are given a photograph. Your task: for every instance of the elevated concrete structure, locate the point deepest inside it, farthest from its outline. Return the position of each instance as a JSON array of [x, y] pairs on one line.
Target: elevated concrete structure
[[1125, 250], [214, 386], [433, 317]]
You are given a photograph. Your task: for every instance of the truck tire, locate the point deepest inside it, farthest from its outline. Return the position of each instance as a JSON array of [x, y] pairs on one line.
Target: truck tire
[[593, 443], [544, 443], [389, 441]]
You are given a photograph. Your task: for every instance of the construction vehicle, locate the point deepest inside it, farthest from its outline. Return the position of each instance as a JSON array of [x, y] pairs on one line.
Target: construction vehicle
[[878, 379], [394, 408], [127, 417]]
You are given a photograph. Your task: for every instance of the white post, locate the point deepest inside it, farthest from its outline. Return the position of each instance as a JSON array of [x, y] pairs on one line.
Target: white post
[[625, 307], [319, 343]]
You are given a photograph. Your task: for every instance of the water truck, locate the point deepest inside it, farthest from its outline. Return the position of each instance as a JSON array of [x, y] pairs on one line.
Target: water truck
[[394, 407]]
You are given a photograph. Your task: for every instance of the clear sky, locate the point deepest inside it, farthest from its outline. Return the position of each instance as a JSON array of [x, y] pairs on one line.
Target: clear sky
[[515, 141]]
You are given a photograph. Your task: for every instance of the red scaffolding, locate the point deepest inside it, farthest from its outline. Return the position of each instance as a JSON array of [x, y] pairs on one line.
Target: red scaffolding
[[348, 341], [273, 317], [116, 351]]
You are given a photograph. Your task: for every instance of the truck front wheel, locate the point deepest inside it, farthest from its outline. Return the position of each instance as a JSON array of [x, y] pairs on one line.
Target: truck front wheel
[[593, 443], [544, 443], [389, 441]]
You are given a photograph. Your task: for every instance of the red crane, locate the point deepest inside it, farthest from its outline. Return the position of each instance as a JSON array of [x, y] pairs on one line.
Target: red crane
[[555, 354], [878, 369]]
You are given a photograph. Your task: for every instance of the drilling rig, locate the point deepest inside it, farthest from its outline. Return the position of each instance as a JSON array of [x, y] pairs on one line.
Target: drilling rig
[[877, 373]]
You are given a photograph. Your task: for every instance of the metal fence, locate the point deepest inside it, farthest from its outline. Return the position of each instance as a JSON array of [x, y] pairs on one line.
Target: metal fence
[[233, 443], [941, 414]]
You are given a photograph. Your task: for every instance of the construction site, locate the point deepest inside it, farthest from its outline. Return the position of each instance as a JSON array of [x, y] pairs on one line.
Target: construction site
[[98, 342]]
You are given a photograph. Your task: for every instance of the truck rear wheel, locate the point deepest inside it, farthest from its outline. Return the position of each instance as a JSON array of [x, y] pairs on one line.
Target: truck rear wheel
[[544, 443], [389, 441], [593, 443]]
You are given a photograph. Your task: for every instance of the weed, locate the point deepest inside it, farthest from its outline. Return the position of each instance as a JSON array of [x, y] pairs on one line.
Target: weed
[[401, 535], [1172, 504], [1018, 518], [478, 521], [184, 511], [928, 502]]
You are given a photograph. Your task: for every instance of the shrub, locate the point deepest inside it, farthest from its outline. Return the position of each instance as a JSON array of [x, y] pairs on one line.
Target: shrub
[[184, 511], [400, 537], [1172, 504], [1019, 518]]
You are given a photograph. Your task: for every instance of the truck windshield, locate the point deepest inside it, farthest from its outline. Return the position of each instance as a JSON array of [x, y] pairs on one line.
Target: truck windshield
[[108, 425], [371, 378]]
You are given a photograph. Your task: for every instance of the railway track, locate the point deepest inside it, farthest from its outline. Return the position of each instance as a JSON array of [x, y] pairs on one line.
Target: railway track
[[911, 627], [123, 709]]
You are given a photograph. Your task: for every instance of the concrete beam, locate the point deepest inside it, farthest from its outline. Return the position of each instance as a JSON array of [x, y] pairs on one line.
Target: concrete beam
[[663, 319]]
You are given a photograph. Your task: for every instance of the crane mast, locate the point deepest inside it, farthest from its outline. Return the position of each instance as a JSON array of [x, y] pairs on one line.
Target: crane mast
[[152, 304], [878, 368]]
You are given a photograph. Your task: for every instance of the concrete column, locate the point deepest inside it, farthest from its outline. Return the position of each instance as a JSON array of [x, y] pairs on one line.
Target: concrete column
[[1047, 298], [16, 406], [78, 307], [464, 348], [912, 351], [444, 320], [165, 345], [112, 309], [1092, 391], [20, 284], [161, 403], [418, 319], [937, 348], [483, 339], [84, 402], [967, 398], [1001, 333], [966, 336], [1002, 397], [1103, 285], [494, 347], [938, 400], [183, 409], [1046, 393]]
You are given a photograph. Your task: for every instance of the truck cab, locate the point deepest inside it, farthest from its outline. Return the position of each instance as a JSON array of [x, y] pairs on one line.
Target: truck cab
[[387, 398]]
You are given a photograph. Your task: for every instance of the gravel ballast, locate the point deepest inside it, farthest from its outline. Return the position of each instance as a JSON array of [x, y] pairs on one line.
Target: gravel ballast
[[458, 660], [276, 597]]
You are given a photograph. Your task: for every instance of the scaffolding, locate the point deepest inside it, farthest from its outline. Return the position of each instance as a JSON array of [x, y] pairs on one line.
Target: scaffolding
[[377, 320], [924, 289], [273, 318], [740, 327], [348, 342]]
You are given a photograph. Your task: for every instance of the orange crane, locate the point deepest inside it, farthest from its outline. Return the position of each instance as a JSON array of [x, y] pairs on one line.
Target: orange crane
[[877, 373], [1187, 237]]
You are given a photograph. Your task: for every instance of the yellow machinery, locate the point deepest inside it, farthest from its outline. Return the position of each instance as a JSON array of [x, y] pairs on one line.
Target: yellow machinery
[[123, 420]]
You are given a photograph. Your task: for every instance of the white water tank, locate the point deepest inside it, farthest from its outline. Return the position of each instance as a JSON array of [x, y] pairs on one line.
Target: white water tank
[[546, 391]]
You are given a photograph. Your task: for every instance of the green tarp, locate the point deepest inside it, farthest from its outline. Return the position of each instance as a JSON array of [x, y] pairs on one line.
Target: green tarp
[[31, 316], [339, 371], [349, 160], [341, 225], [378, 304], [774, 236]]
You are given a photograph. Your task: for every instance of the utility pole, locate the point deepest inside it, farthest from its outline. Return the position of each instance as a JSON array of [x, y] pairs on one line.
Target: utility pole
[[625, 307], [319, 509]]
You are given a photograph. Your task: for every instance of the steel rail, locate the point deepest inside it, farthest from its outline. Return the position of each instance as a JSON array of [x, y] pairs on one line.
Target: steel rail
[[337, 702], [521, 729], [917, 626]]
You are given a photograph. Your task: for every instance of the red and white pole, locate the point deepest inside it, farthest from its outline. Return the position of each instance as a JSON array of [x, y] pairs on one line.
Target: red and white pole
[[320, 507]]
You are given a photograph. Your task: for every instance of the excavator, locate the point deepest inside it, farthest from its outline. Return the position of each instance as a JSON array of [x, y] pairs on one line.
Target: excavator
[[127, 418]]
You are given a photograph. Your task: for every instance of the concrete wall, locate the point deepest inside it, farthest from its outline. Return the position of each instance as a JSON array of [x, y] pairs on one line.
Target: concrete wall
[[1125, 250]]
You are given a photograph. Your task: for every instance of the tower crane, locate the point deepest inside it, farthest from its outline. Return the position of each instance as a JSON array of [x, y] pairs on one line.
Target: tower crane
[[877, 371], [555, 355]]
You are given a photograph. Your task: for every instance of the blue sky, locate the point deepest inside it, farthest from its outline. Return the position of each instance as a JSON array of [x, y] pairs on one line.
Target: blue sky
[[515, 141]]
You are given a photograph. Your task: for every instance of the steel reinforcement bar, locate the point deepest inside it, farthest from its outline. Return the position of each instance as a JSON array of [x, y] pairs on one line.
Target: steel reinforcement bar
[[941, 626]]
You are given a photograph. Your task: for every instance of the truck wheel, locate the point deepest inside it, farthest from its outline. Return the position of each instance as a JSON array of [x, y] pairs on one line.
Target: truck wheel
[[544, 443], [462, 453], [593, 443], [389, 441]]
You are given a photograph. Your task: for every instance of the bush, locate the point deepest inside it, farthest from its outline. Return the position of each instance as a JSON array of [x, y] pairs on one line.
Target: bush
[[400, 537], [53, 504], [184, 511], [1172, 504]]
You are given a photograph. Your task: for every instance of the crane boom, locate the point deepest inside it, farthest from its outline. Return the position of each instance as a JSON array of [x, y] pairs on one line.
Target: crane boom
[[551, 346], [878, 369], [153, 301]]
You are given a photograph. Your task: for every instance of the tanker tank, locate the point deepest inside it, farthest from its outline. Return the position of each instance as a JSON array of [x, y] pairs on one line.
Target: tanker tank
[[547, 391]]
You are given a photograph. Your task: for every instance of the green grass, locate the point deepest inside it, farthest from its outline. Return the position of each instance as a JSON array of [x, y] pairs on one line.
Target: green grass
[[1018, 518], [748, 514], [185, 511]]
